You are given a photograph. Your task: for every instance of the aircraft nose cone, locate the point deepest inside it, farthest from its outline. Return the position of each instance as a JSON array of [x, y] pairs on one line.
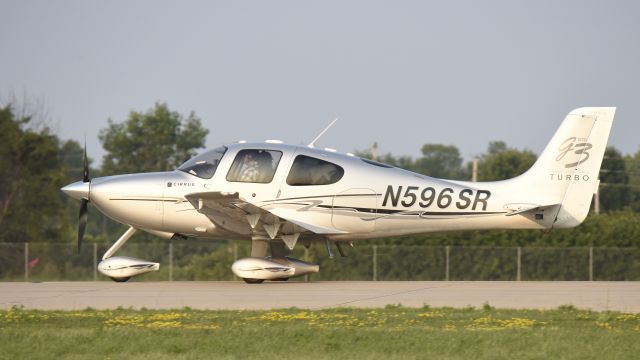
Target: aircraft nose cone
[[78, 190]]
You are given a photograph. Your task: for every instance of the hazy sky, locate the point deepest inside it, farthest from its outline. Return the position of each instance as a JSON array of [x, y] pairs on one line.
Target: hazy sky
[[402, 73]]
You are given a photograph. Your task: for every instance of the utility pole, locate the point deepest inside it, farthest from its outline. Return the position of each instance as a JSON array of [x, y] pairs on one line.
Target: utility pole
[[474, 170], [374, 151]]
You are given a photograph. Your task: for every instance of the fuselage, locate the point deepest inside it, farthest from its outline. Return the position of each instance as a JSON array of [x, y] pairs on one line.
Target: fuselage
[[366, 200]]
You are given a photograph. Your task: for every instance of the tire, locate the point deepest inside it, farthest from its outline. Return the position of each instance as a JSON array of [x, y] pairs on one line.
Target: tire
[[252, 281], [124, 279]]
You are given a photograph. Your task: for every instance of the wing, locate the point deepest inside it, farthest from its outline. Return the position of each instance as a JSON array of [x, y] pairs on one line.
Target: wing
[[234, 214]]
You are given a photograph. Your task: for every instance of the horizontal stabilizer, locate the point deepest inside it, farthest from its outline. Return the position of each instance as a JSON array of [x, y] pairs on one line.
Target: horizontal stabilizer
[[516, 209]]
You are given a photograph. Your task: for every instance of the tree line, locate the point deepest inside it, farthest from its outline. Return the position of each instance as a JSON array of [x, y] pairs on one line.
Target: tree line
[[35, 163]]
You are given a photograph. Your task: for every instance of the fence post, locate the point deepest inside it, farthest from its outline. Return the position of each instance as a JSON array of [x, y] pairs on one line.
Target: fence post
[[375, 262], [446, 263], [95, 261], [235, 251], [591, 263], [235, 257], [26, 261], [519, 264], [306, 259], [170, 260]]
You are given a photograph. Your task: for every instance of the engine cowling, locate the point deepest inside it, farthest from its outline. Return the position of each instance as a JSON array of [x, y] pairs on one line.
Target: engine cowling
[[124, 267], [270, 269]]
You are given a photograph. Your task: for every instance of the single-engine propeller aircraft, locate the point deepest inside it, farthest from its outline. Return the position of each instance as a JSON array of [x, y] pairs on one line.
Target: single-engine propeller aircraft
[[279, 195]]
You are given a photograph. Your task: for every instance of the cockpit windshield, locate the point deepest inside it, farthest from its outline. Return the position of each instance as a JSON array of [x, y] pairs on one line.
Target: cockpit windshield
[[205, 164]]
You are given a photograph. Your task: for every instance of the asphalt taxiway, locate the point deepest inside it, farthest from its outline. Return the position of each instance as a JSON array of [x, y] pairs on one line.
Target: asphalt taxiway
[[599, 296]]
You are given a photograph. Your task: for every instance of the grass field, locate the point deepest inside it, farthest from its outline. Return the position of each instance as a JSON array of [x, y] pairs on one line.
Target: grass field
[[389, 333]]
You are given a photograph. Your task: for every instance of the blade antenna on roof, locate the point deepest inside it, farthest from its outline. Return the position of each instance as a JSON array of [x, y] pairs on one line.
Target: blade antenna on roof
[[312, 144]]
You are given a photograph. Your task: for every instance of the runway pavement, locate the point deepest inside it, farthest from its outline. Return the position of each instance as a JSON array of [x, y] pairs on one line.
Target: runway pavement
[[619, 296]]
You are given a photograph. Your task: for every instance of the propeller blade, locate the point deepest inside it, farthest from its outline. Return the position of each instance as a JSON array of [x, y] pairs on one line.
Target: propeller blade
[[82, 222], [85, 173]]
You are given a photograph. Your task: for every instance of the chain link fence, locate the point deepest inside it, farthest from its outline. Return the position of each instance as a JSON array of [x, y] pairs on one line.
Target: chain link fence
[[211, 260]]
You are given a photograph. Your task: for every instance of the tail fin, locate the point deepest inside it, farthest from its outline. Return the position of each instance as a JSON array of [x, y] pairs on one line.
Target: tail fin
[[566, 172]]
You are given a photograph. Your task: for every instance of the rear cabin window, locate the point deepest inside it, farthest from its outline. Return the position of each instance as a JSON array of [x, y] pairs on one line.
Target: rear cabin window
[[254, 166], [308, 170]]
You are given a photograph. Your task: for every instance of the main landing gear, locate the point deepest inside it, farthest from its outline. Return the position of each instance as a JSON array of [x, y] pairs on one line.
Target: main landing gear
[[277, 267]]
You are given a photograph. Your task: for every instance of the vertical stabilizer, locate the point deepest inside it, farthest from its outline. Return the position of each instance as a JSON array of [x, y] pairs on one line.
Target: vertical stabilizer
[[566, 172]]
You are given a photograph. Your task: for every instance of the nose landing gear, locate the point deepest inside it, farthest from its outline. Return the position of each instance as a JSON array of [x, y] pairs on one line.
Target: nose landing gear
[[122, 268]]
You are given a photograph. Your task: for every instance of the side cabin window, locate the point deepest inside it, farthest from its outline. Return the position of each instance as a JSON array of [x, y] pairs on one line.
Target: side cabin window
[[308, 170], [254, 166]]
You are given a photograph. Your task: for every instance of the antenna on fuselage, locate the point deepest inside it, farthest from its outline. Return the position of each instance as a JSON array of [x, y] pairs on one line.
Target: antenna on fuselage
[[313, 143]]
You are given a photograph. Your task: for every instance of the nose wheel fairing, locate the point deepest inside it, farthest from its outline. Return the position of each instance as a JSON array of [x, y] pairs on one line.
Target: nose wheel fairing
[[122, 268]]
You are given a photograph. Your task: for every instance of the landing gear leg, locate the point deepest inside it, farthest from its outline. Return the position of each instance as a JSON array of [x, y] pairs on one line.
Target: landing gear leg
[[118, 244], [259, 247]]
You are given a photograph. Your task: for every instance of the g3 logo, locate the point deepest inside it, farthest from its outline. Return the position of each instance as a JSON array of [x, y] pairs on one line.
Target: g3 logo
[[580, 148]]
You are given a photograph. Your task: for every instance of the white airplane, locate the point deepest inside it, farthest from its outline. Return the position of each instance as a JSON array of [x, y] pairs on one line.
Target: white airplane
[[278, 195]]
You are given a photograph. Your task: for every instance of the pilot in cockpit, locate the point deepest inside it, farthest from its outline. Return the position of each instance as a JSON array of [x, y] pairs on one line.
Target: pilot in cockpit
[[249, 168], [265, 166], [257, 166]]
